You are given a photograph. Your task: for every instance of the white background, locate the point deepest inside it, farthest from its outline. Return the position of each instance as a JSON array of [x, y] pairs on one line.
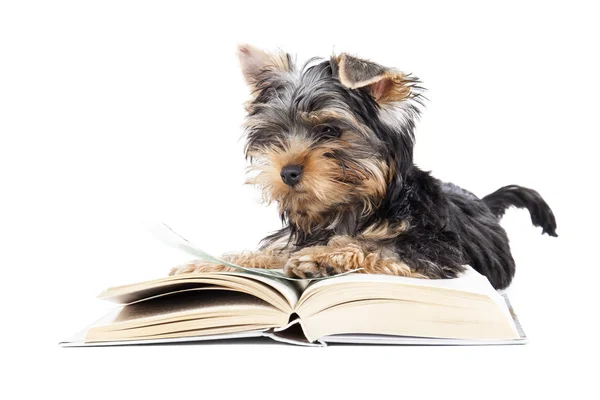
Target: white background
[[116, 112]]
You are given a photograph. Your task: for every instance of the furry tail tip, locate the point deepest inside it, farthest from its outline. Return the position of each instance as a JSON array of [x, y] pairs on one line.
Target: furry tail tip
[[521, 197]]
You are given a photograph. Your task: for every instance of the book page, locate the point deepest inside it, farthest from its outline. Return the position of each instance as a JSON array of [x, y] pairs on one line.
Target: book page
[[187, 313], [189, 302], [469, 281], [464, 307], [280, 293]]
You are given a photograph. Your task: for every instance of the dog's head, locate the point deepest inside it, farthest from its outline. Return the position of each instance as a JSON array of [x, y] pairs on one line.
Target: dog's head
[[327, 137]]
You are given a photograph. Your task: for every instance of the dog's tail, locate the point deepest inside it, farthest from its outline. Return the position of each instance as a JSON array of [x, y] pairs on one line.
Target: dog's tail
[[521, 197]]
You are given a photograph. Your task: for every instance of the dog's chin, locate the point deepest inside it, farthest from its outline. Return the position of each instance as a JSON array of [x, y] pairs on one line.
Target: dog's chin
[[300, 203], [311, 203]]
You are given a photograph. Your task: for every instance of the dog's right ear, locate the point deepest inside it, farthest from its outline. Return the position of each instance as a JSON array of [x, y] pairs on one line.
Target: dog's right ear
[[386, 85], [256, 63]]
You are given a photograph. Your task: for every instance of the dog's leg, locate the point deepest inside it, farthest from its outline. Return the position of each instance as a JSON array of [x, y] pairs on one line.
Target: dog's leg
[[342, 254], [265, 259]]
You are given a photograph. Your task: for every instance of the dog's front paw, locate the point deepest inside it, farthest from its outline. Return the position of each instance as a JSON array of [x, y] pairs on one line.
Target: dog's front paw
[[199, 267], [319, 261], [306, 266]]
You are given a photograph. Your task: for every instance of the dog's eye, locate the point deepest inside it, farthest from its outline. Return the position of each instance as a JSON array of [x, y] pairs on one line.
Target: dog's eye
[[327, 131]]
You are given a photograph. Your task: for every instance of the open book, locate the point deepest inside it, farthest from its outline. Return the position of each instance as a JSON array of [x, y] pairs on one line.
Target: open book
[[353, 308]]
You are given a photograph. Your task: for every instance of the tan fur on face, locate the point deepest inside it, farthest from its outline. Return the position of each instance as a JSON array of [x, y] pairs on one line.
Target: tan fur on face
[[324, 184], [323, 116]]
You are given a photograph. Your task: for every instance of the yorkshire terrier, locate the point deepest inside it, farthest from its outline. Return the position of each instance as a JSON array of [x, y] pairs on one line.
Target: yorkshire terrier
[[332, 143]]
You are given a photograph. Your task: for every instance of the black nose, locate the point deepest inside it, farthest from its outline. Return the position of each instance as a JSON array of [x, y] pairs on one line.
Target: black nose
[[290, 174]]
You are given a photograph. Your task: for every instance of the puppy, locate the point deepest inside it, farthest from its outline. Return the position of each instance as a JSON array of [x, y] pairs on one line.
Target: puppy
[[331, 142]]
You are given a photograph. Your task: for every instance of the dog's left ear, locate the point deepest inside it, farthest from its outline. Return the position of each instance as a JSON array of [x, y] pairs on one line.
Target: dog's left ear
[[386, 85], [256, 63]]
